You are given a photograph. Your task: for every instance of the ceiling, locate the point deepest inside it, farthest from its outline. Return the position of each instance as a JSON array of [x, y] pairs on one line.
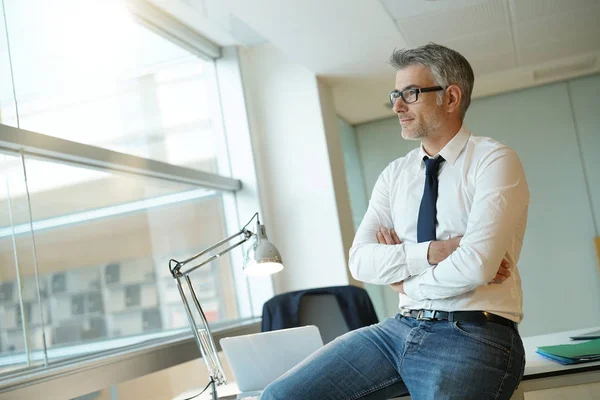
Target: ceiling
[[511, 44]]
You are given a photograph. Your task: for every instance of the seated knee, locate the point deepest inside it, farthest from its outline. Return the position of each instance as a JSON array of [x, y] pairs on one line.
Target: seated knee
[[274, 391], [268, 393]]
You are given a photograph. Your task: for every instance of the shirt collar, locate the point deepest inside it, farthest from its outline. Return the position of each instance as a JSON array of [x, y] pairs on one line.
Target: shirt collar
[[453, 148]]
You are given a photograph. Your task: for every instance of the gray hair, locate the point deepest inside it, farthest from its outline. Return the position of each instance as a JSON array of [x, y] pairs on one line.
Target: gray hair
[[447, 66]]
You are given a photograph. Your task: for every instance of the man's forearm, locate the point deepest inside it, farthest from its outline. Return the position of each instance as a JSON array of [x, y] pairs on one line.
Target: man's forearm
[[384, 264]]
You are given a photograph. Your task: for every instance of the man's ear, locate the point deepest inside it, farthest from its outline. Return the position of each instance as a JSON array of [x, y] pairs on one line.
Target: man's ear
[[453, 99]]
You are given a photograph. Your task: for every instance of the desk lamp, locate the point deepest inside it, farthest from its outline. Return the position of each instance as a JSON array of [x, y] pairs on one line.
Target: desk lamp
[[261, 259]]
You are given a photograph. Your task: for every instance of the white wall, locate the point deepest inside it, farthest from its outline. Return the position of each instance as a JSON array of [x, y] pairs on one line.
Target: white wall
[[561, 281], [287, 111], [585, 97]]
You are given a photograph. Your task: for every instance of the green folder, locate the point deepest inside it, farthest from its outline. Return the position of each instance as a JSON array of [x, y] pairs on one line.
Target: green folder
[[572, 353]]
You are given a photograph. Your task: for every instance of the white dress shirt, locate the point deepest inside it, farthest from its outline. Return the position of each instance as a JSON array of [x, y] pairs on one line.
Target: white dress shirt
[[482, 196]]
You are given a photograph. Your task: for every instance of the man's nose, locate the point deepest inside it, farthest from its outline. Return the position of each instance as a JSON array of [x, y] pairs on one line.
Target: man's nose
[[399, 106]]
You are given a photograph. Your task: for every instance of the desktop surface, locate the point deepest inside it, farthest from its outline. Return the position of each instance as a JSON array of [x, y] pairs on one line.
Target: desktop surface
[[226, 392], [537, 367]]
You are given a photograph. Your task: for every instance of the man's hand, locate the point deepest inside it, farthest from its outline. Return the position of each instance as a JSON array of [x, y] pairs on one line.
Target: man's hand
[[503, 272], [387, 236]]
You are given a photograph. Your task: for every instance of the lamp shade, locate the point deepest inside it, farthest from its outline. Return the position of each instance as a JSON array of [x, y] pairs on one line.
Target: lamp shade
[[262, 257]]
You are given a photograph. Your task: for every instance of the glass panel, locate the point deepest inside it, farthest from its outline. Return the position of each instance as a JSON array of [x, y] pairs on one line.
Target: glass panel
[[7, 99], [14, 302], [124, 88], [103, 242]]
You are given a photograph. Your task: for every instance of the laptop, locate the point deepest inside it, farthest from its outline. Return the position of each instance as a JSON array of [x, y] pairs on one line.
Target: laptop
[[258, 359], [587, 336]]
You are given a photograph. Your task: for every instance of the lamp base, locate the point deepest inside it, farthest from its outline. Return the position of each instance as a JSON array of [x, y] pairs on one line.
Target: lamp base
[[239, 396], [213, 390], [248, 396]]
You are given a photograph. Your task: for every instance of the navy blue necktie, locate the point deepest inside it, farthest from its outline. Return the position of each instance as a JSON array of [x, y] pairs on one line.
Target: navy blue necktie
[[427, 212]]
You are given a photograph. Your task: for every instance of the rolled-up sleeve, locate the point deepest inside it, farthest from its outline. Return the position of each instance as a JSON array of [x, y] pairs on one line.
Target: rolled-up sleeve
[[499, 205], [383, 264]]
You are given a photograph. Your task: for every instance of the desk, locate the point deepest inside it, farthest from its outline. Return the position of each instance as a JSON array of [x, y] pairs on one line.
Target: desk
[[540, 372]]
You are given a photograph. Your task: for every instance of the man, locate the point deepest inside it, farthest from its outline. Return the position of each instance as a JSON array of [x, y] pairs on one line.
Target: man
[[444, 228]]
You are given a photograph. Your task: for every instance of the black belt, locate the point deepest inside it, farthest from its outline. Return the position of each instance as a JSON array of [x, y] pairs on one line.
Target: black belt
[[464, 316]]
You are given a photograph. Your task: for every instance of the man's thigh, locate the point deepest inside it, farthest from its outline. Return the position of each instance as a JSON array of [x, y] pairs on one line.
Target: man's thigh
[[360, 364], [456, 360]]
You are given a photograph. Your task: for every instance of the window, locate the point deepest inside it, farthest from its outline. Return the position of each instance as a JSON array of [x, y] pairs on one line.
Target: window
[[102, 247], [84, 245]]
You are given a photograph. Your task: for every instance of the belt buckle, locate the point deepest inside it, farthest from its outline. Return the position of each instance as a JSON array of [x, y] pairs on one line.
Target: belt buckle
[[420, 316]]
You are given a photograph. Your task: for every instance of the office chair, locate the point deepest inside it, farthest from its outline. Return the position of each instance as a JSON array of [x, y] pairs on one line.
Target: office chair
[[323, 311], [335, 310]]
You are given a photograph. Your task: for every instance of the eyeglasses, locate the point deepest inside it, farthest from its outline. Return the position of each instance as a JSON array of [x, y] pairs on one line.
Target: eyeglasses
[[411, 95]]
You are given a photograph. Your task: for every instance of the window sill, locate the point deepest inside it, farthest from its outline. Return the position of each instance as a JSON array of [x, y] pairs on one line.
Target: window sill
[[75, 377]]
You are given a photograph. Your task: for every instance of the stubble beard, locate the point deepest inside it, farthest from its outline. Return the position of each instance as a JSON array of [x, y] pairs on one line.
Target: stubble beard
[[425, 128]]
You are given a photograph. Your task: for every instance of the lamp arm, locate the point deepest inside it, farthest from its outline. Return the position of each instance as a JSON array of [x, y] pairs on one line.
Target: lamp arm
[[175, 266], [176, 270]]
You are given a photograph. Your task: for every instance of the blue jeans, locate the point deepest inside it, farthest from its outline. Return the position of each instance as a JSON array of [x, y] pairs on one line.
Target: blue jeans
[[430, 359]]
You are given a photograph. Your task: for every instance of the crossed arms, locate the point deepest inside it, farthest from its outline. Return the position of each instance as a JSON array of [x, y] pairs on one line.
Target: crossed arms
[[438, 251]]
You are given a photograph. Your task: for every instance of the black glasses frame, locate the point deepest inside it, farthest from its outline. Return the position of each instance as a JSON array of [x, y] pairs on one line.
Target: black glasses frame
[[395, 94]]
